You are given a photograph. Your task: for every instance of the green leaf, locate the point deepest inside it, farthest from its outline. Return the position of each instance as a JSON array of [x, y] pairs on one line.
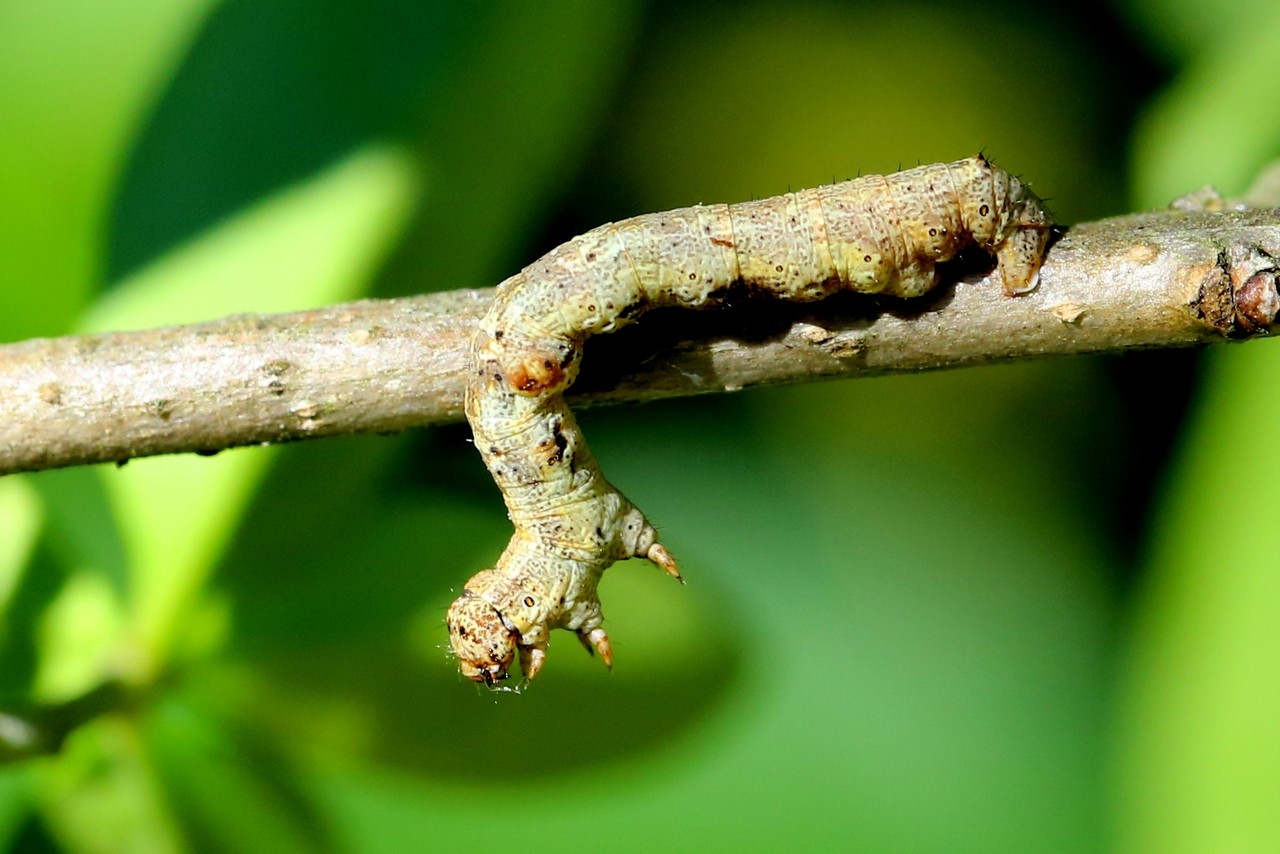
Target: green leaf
[[1199, 747], [230, 790], [75, 79], [1215, 124], [102, 794], [508, 126], [20, 516], [316, 243], [1184, 28], [15, 803], [268, 95]]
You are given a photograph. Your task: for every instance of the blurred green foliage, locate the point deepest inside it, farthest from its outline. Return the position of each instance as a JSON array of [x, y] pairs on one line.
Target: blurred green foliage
[[1025, 608]]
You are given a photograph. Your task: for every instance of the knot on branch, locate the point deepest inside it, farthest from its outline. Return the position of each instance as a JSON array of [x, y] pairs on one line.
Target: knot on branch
[[1240, 296]]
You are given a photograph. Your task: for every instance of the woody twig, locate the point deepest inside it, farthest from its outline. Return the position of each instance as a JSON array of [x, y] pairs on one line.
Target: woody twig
[[1166, 279]]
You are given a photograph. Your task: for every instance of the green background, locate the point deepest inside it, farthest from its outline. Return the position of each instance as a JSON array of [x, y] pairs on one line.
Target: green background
[[1033, 607]]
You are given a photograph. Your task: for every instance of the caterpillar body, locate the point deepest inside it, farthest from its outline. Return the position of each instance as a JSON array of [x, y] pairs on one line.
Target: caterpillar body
[[875, 235]]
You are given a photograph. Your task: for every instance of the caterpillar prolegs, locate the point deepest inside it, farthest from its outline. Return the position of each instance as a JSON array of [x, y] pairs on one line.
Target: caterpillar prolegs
[[875, 235]]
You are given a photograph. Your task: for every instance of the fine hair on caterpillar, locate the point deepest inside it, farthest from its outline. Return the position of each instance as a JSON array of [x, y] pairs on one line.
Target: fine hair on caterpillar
[[874, 235]]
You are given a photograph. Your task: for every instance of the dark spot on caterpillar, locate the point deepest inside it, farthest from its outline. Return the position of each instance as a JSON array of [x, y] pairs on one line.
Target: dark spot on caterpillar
[[599, 535], [528, 602], [933, 232], [591, 308], [629, 311], [866, 258], [562, 444], [984, 210], [778, 268], [497, 334], [548, 364], [693, 277], [494, 452], [591, 256]]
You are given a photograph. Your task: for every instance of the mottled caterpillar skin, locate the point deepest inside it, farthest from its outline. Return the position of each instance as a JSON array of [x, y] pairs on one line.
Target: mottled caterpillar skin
[[875, 235]]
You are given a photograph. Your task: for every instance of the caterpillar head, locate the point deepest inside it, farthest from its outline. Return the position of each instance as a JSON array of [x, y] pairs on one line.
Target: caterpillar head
[[495, 619], [484, 641]]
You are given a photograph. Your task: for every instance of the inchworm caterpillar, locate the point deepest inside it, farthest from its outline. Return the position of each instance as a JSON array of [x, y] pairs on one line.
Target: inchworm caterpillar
[[876, 235]]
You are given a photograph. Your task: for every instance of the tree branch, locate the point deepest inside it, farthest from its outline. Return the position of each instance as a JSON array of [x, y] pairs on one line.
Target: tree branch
[[1166, 279]]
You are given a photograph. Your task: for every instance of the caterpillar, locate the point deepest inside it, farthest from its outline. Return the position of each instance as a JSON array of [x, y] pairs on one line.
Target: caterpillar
[[876, 235]]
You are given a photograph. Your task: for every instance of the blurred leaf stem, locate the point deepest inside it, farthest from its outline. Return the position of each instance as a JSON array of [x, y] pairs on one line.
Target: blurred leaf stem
[[32, 730]]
